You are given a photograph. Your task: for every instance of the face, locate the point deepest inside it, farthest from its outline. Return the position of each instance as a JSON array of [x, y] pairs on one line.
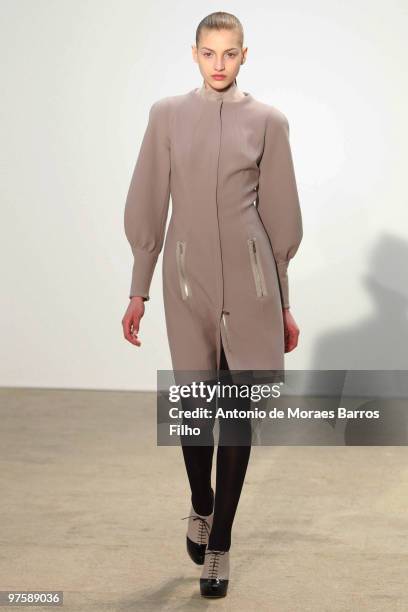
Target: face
[[219, 55]]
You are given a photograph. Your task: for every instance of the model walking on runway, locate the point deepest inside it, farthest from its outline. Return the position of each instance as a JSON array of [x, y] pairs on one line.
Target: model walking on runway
[[225, 159]]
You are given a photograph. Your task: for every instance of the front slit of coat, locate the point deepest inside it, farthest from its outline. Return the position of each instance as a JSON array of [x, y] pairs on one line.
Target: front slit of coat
[[225, 356], [221, 320], [223, 340]]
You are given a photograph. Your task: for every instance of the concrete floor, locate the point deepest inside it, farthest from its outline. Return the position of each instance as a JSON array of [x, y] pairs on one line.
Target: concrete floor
[[91, 506]]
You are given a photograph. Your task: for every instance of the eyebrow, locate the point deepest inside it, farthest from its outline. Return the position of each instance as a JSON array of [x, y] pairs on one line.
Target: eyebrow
[[231, 49]]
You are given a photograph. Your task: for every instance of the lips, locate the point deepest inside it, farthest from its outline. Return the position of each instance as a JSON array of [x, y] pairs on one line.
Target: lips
[[218, 77]]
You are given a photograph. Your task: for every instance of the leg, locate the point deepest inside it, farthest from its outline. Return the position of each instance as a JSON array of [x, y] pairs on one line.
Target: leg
[[232, 460], [198, 460]]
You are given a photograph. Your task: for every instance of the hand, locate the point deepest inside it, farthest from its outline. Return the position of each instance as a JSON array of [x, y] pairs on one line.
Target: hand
[[131, 319], [291, 331]]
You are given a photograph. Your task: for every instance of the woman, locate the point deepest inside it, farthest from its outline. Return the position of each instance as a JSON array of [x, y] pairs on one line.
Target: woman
[[225, 159]]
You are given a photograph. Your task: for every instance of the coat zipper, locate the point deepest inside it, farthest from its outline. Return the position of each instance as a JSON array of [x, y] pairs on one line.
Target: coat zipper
[[180, 252], [223, 312], [257, 268]]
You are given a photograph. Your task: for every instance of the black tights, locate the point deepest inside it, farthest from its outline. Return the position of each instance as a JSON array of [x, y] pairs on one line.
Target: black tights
[[232, 462]]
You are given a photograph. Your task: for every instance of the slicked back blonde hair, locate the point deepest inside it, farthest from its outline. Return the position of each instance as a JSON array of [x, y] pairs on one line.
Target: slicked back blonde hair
[[220, 21]]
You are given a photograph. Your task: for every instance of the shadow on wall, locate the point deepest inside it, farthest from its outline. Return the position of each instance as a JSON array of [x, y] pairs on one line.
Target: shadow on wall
[[379, 338]]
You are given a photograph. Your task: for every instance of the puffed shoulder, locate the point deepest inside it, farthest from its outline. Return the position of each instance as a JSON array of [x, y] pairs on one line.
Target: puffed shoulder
[[162, 110], [275, 120], [163, 104], [159, 106], [159, 116], [277, 117]]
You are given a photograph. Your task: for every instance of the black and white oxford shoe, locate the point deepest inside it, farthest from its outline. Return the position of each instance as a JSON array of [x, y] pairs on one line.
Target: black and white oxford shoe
[[215, 574], [198, 531]]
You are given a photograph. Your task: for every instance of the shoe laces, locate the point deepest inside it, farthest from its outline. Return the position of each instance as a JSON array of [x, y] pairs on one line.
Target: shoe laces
[[214, 562], [203, 527]]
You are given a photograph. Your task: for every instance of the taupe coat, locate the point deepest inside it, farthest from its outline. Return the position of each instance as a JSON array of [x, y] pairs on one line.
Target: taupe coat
[[225, 159]]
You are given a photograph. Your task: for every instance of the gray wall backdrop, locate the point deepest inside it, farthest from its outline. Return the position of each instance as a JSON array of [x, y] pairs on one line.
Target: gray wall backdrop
[[78, 79]]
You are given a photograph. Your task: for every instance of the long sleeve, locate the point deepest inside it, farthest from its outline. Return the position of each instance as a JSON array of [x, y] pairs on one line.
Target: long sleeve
[[278, 202], [147, 201]]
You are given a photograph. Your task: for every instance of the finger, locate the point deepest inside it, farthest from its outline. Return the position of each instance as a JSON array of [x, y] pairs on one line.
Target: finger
[[126, 321], [130, 331], [293, 340], [133, 339], [135, 325]]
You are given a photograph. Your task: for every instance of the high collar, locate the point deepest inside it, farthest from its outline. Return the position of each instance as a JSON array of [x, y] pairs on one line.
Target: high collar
[[232, 94]]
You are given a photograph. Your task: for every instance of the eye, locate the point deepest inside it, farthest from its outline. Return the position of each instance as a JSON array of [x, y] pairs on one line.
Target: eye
[[232, 54], [206, 53]]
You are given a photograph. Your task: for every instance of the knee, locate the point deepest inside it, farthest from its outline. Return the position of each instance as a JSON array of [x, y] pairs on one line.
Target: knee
[[235, 430], [204, 427]]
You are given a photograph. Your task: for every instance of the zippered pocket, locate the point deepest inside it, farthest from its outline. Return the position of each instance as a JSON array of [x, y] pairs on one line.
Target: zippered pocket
[[257, 270], [181, 268]]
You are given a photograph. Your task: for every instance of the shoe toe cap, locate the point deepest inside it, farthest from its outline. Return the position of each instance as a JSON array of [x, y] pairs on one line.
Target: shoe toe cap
[[213, 587], [196, 551]]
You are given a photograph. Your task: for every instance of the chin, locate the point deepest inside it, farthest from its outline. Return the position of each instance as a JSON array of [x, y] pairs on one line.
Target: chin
[[221, 84]]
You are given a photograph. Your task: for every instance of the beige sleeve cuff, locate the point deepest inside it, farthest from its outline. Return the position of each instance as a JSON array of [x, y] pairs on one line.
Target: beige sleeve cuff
[[282, 267], [142, 272]]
